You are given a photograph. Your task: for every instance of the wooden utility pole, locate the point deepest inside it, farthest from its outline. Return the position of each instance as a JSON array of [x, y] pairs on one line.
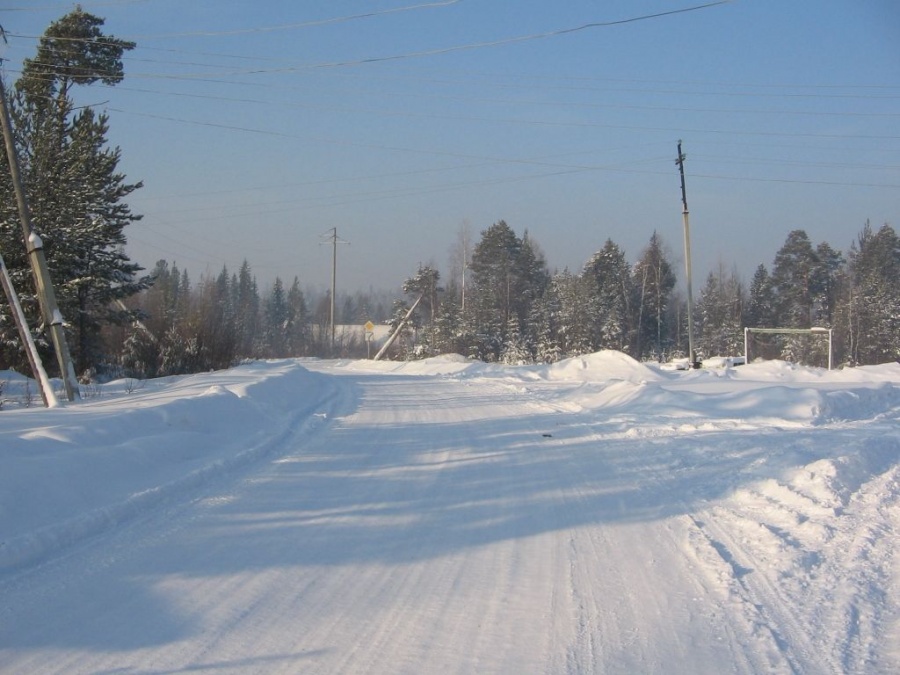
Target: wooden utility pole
[[333, 238], [46, 297], [687, 259]]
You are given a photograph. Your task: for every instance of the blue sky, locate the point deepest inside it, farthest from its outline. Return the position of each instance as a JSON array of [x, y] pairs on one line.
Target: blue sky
[[257, 127]]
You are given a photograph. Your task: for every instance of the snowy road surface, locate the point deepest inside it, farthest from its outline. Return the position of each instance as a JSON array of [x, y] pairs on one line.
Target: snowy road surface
[[594, 517]]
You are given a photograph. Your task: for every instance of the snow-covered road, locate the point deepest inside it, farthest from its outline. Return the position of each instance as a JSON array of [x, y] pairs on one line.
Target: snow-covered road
[[459, 521]]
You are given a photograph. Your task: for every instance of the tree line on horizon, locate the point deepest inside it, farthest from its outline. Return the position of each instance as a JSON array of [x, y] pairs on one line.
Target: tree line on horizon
[[504, 305], [515, 311], [500, 301]]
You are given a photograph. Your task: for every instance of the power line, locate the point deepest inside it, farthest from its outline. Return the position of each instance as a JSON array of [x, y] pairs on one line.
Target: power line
[[444, 50], [496, 43], [268, 29], [304, 24], [265, 132]]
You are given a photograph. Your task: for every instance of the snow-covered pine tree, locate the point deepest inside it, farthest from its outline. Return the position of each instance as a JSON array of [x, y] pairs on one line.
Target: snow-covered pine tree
[[792, 275], [608, 278], [804, 289], [544, 326], [827, 275], [448, 327], [874, 297], [760, 312], [74, 189], [653, 280], [492, 297], [718, 315], [425, 283], [570, 294], [508, 275], [515, 351]]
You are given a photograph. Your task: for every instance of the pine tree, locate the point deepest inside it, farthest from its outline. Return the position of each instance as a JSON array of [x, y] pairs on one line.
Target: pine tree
[[298, 338], [825, 283], [544, 325], [515, 351], [447, 328], [874, 297], [532, 275], [571, 295], [140, 355], [246, 305], [276, 321], [74, 189], [792, 281], [492, 300], [608, 278], [761, 304], [718, 315], [508, 276], [804, 283], [653, 281], [213, 328], [425, 284]]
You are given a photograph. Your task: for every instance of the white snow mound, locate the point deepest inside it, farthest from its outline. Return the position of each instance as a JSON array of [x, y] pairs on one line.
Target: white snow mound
[[602, 366]]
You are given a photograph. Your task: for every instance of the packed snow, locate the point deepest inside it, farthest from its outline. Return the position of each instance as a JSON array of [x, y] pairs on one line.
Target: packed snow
[[444, 516]]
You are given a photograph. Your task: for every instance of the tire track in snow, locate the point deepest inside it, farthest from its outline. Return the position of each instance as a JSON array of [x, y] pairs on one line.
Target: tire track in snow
[[22, 551], [760, 604], [806, 566], [628, 612]]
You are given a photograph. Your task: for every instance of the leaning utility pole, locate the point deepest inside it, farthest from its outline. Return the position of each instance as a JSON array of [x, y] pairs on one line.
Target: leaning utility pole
[[399, 329], [46, 297], [687, 259], [333, 238], [34, 359]]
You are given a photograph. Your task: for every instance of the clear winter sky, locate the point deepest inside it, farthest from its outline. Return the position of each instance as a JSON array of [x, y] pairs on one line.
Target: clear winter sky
[[258, 126]]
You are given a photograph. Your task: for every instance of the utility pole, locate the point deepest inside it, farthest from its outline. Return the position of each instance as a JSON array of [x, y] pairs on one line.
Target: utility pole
[[46, 297], [333, 238], [34, 359], [399, 329], [687, 259]]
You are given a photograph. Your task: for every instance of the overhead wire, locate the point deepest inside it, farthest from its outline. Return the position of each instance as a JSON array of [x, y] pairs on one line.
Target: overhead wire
[[261, 29], [437, 51], [529, 102], [282, 134], [303, 24]]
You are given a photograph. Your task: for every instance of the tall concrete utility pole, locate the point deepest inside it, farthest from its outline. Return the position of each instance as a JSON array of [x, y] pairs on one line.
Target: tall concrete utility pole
[[46, 297], [687, 259]]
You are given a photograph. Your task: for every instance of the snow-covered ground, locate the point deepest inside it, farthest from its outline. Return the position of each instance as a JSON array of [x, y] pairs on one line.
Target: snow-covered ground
[[595, 516]]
